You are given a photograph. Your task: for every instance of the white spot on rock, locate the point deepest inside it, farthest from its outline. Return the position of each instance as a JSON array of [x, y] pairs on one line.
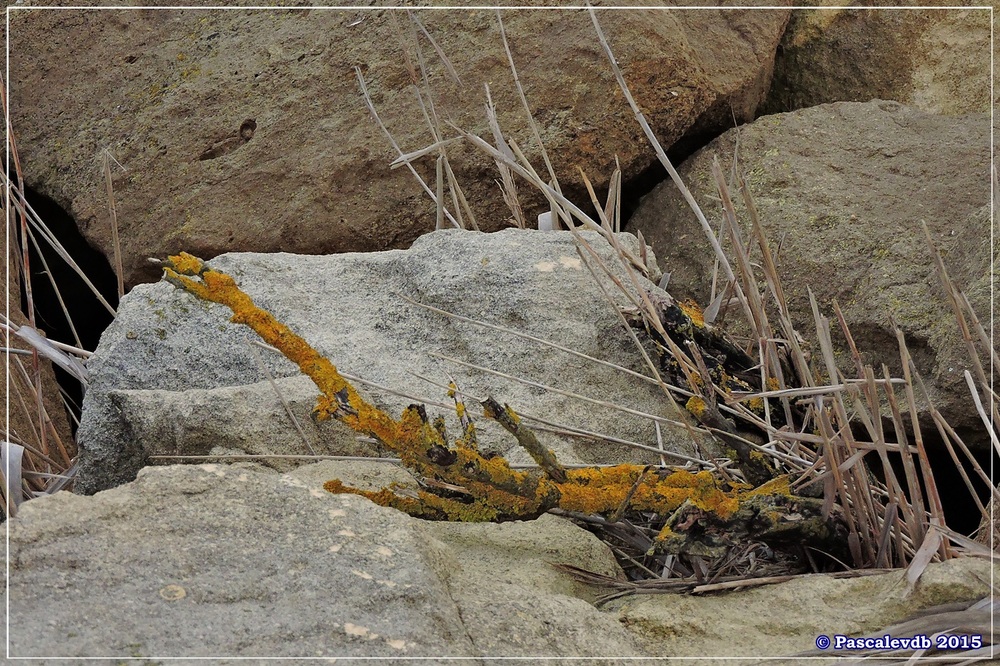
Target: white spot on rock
[[362, 574], [545, 266], [356, 630], [571, 262]]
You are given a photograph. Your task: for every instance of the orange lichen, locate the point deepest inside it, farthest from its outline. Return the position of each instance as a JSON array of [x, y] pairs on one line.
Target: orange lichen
[[492, 490], [693, 311]]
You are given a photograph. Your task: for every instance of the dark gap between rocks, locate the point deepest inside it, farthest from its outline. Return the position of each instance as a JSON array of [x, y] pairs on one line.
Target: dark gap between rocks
[[634, 189], [89, 317], [960, 510]]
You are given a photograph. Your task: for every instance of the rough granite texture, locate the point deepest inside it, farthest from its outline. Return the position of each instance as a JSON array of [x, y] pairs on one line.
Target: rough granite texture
[[171, 374]]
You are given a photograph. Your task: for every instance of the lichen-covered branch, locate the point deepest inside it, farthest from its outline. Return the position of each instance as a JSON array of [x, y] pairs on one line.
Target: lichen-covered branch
[[698, 504]]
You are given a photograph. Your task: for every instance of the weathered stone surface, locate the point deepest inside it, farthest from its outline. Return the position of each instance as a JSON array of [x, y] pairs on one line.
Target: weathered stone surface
[[785, 619], [842, 189], [240, 561], [221, 561], [245, 130], [234, 420], [159, 376], [937, 60]]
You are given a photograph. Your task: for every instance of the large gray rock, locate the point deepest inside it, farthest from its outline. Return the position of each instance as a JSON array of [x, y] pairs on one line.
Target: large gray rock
[[221, 561], [239, 561], [172, 375], [842, 190], [246, 131]]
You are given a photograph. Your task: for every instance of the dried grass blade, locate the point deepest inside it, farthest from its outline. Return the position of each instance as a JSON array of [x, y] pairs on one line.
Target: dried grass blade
[[601, 213], [461, 198], [884, 555], [553, 389], [773, 280], [930, 545], [553, 181], [508, 186], [437, 49], [948, 436], [982, 412], [55, 289], [662, 155], [532, 178], [28, 214], [980, 331], [748, 295], [972, 548], [68, 363], [412, 156], [439, 173], [392, 140], [113, 212], [281, 396], [613, 206], [914, 493], [953, 299], [831, 452], [933, 498], [542, 341]]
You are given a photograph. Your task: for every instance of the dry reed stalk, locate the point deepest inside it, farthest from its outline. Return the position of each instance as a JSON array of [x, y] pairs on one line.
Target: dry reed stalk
[[109, 186]]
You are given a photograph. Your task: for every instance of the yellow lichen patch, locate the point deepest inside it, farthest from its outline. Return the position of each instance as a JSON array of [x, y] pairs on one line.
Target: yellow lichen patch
[[696, 406], [772, 384], [186, 264], [693, 311], [665, 533], [778, 486]]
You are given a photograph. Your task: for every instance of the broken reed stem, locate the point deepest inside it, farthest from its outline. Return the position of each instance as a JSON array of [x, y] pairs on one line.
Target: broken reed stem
[[510, 421]]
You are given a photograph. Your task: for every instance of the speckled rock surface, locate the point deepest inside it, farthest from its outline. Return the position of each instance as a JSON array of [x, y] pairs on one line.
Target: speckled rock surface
[[169, 362], [217, 561], [842, 190], [937, 60]]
